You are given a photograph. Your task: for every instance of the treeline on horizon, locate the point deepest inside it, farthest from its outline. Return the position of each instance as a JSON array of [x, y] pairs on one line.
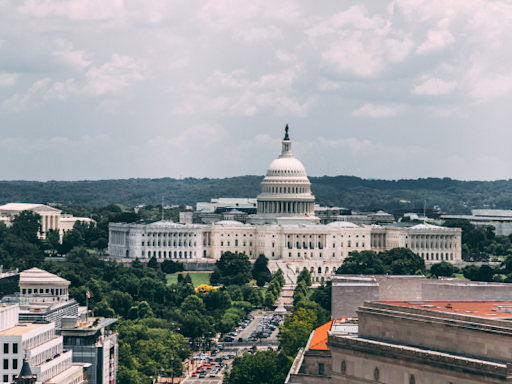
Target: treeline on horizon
[[452, 196]]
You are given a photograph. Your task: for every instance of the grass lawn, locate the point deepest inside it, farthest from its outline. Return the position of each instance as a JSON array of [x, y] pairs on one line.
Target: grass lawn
[[459, 276], [198, 278]]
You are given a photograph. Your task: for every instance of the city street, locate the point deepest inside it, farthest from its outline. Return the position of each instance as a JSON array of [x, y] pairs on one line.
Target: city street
[[236, 348]]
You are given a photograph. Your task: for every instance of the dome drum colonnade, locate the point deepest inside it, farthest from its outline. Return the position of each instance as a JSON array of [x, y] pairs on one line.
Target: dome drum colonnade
[[286, 190]]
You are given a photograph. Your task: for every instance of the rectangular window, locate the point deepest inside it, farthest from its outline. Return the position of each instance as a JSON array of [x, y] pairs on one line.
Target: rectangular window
[[6, 378], [6, 364], [273, 244], [289, 254], [15, 364], [30, 291], [321, 369], [357, 245], [6, 347], [221, 243], [362, 245], [349, 243], [142, 243], [24, 291], [334, 245], [15, 348], [333, 254], [320, 254], [228, 243]]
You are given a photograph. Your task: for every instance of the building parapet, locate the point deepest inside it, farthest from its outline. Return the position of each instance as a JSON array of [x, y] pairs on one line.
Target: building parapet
[[428, 357]]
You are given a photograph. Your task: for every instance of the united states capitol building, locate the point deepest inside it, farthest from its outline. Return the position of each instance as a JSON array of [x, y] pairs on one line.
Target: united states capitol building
[[284, 228]]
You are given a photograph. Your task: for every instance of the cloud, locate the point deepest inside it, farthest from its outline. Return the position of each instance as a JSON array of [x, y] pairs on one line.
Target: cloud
[[114, 76], [19, 102], [434, 87], [8, 79], [72, 9], [236, 94], [377, 111], [436, 40], [285, 57], [75, 59], [354, 44]]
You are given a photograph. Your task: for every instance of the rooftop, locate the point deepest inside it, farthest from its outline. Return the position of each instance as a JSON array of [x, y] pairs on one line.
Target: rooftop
[[20, 330], [38, 276], [345, 325], [488, 310]]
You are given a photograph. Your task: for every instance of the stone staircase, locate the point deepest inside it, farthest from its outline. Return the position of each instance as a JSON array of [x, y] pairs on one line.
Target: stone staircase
[[289, 274]]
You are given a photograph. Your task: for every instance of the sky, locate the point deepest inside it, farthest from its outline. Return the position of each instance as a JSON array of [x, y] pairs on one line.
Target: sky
[[382, 89]]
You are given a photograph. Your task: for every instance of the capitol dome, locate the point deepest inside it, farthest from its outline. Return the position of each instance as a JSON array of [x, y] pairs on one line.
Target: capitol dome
[[286, 167], [286, 190]]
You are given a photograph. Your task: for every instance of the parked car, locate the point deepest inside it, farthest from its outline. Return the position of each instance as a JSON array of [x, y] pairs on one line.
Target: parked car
[[202, 375]]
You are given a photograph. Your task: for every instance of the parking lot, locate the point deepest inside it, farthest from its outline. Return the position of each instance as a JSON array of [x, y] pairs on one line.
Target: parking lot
[[235, 348]]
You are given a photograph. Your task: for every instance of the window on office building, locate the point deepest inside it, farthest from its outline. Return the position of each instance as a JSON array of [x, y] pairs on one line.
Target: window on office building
[[15, 348], [6, 348], [15, 364], [6, 364]]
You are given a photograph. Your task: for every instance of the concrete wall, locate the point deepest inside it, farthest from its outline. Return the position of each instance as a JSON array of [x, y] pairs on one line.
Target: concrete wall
[[350, 292], [453, 333]]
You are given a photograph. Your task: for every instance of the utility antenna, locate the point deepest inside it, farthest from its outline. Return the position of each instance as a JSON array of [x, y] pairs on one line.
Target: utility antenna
[[162, 208]]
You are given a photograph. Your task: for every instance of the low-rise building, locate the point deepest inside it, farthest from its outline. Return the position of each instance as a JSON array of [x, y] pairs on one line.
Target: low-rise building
[[42, 347], [500, 219]]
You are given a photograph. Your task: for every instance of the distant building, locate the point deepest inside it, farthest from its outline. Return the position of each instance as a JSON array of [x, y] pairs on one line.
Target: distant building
[[51, 218], [500, 219], [286, 228]]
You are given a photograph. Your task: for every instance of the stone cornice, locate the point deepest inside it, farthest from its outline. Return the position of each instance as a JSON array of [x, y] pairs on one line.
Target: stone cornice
[[421, 356]]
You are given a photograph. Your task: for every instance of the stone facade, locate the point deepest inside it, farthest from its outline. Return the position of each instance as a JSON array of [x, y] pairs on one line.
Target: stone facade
[[417, 345], [350, 292]]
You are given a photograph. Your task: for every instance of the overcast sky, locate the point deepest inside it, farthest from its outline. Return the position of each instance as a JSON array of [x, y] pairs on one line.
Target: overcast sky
[[113, 89]]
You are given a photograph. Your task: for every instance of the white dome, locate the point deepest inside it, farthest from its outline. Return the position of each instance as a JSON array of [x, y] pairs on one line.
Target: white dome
[[229, 222], [344, 224], [286, 167]]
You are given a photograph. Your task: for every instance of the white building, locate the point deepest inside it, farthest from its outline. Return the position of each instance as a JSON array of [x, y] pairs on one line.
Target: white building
[[285, 229], [51, 218], [49, 361]]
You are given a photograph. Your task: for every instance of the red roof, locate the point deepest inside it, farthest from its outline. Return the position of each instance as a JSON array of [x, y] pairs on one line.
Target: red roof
[[319, 341]]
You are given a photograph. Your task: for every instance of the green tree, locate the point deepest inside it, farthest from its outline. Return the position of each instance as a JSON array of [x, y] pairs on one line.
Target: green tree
[[267, 367], [362, 263], [232, 268], [53, 240], [402, 261], [322, 295], [153, 263], [260, 269], [305, 276], [442, 269], [104, 309], [26, 225], [269, 299], [254, 298]]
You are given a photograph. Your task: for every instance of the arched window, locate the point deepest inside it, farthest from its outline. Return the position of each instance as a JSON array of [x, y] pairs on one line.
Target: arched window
[[319, 269]]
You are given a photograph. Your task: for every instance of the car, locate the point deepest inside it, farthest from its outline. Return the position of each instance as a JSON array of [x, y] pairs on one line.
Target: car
[[202, 375], [240, 339], [194, 374], [212, 374], [225, 357], [264, 335], [208, 366], [220, 347], [214, 353], [228, 339], [252, 339]]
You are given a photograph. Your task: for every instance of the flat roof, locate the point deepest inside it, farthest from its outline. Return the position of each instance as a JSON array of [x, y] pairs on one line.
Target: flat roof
[[487, 309], [20, 330]]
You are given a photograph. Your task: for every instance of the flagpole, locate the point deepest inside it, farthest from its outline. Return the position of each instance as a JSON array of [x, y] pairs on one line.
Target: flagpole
[[86, 306]]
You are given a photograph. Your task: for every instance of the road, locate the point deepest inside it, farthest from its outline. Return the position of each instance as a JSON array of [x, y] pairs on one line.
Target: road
[[237, 348]]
